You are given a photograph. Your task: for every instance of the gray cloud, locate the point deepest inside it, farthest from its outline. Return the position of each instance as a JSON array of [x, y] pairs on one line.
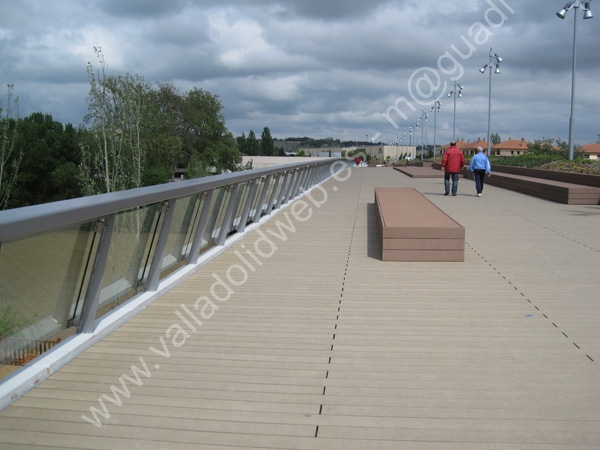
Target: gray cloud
[[318, 68]]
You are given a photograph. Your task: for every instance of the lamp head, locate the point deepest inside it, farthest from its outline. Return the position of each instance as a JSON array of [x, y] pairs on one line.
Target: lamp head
[[587, 13], [563, 12], [497, 69], [482, 70], [498, 58]]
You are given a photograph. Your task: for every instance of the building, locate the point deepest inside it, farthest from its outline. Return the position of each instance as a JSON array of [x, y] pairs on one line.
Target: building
[[470, 148], [460, 144], [591, 151], [511, 147]]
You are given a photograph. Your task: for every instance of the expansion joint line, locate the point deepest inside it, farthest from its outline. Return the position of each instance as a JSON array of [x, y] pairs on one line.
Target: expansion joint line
[[339, 308], [523, 295], [558, 233]]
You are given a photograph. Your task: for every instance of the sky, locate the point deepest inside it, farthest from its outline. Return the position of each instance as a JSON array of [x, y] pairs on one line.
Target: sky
[[347, 69]]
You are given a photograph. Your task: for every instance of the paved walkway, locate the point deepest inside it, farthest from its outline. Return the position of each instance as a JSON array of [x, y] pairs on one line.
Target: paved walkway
[[318, 344]]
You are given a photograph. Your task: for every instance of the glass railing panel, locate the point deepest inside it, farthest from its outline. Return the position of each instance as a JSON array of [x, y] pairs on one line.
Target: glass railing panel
[[262, 199], [184, 222], [131, 247], [41, 280], [255, 201], [240, 201], [216, 211], [283, 180]]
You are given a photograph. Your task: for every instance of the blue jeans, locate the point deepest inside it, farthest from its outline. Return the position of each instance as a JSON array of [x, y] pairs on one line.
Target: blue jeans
[[454, 182]]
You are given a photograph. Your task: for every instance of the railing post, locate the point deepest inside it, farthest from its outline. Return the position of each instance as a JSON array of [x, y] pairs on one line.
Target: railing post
[[310, 179], [273, 194], [92, 296], [248, 205], [290, 186], [299, 180], [197, 242], [324, 172], [156, 265], [284, 187], [261, 200], [228, 219], [317, 178]]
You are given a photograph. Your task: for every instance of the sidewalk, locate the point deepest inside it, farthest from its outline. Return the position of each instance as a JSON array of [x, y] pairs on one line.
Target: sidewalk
[[310, 341]]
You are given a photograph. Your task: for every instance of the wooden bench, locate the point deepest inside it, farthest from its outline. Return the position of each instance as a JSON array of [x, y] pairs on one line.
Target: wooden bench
[[414, 229], [420, 172], [557, 191]]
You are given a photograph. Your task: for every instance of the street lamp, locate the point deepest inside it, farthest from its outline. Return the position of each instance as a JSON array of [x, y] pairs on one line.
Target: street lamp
[[437, 106], [493, 56], [457, 91], [423, 119], [587, 14]]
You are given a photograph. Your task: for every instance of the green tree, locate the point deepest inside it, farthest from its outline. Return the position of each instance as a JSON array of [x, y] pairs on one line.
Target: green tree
[[10, 156], [252, 144], [242, 144], [49, 169], [195, 119], [267, 146], [495, 138], [115, 113]]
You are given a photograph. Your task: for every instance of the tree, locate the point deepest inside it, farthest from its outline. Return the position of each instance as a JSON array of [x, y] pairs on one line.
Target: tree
[[267, 147], [10, 156], [114, 159], [252, 144], [49, 169], [495, 138], [195, 120], [242, 144]]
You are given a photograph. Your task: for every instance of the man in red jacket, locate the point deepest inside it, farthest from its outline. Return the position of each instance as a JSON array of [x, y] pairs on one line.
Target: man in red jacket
[[452, 164]]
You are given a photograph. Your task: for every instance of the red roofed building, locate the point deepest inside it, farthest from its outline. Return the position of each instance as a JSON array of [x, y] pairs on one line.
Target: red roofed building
[[511, 147], [460, 144], [591, 151], [470, 148]]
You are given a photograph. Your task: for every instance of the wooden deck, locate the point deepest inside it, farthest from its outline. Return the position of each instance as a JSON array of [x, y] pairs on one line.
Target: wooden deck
[[325, 346]]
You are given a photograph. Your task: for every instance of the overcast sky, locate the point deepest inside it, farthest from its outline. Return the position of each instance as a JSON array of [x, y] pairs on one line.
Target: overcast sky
[[321, 68]]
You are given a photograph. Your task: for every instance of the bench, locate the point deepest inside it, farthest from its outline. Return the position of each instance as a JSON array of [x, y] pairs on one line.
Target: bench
[[419, 172], [557, 191], [414, 229]]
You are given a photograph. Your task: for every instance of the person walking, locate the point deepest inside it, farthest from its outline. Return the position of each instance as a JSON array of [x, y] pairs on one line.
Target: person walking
[[452, 163], [480, 166]]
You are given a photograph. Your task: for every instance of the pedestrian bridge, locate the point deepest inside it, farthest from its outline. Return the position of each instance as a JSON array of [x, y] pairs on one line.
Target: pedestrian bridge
[[256, 312]]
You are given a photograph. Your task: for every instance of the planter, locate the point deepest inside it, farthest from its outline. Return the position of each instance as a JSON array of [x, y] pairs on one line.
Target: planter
[[565, 177]]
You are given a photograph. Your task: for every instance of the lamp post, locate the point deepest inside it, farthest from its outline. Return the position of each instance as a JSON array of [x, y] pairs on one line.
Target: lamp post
[[423, 119], [457, 91], [587, 14], [493, 56], [437, 106]]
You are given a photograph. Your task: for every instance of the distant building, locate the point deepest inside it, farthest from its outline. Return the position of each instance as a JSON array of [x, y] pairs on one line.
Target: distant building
[[460, 144], [379, 152], [470, 148], [591, 151], [511, 147]]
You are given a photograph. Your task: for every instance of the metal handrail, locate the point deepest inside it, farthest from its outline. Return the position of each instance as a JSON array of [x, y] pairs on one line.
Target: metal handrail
[[288, 181], [30, 220]]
